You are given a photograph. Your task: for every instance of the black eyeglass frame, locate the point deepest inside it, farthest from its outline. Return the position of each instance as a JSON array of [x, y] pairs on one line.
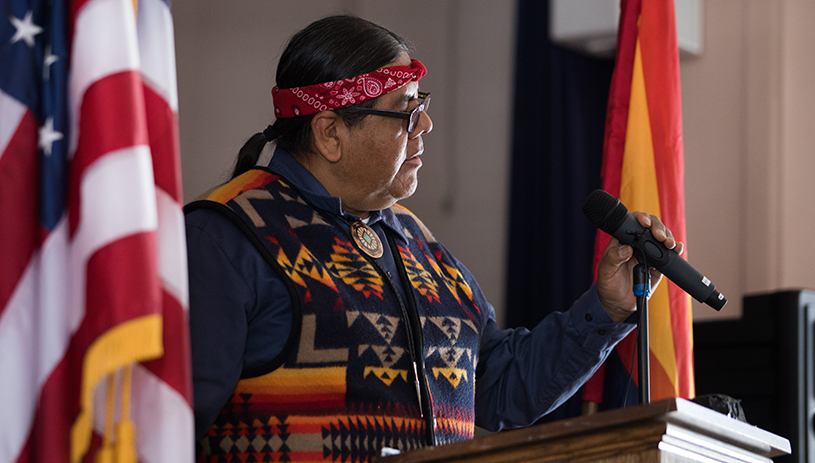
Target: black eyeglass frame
[[411, 116]]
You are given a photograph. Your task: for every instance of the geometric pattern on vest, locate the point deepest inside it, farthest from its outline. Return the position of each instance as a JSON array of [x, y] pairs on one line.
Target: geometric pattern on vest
[[354, 270], [345, 387]]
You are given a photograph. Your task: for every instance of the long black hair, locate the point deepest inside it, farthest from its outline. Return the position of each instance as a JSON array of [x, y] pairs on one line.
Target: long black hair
[[332, 48]]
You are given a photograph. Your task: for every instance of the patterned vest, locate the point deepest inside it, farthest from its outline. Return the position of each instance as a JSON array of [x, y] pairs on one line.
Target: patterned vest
[[345, 386]]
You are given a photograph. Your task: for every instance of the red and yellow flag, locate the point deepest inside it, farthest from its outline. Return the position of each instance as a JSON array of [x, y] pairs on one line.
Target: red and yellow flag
[[643, 165]]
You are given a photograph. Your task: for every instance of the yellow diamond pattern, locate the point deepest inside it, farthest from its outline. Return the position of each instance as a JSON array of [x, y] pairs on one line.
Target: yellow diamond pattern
[[304, 265], [387, 375], [419, 277], [448, 282], [348, 265], [458, 279], [454, 375]]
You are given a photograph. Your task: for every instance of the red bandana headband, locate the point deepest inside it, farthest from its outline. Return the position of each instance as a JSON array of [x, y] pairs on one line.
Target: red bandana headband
[[311, 99]]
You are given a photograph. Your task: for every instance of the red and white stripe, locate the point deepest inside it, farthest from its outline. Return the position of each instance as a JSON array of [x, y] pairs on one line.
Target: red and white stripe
[[119, 251]]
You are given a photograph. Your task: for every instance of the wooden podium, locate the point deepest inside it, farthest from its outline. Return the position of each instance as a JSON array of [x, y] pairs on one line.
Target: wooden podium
[[672, 430]]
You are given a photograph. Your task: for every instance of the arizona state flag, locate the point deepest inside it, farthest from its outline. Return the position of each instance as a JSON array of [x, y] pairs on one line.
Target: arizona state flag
[[643, 165]]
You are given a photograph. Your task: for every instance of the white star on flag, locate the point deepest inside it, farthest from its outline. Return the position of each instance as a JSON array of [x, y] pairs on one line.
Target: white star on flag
[[48, 136], [49, 60], [26, 29]]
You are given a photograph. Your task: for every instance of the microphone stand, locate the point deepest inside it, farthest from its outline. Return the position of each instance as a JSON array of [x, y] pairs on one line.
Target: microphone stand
[[642, 289]]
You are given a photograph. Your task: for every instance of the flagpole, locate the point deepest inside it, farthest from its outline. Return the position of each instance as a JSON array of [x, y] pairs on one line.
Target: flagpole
[[642, 289]]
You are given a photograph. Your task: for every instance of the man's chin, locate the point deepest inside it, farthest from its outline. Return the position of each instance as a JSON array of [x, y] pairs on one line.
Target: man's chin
[[409, 187]]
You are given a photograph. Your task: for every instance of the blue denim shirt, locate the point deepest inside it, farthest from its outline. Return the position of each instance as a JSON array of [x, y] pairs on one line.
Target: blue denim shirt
[[240, 317]]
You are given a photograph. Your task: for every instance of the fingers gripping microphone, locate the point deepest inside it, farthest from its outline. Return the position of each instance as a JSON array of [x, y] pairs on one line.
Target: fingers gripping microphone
[[608, 214]]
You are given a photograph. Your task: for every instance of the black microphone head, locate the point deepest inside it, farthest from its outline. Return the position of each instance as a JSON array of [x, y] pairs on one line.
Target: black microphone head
[[604, 211]]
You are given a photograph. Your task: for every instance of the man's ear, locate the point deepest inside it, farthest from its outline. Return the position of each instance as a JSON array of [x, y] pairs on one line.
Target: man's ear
[[327, 129]]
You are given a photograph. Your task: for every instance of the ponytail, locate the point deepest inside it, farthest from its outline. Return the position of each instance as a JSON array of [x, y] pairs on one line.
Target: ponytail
[[250, 152], [333, 48]]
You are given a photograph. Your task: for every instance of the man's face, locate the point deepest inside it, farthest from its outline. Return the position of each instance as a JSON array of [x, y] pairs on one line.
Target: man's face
[[381, 159]]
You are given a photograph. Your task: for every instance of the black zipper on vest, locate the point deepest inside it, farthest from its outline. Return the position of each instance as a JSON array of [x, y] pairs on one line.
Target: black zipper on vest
[[414, 331], [413, 326], [414, 350]]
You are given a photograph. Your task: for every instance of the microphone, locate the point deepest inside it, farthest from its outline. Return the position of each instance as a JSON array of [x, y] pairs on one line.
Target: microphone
[[609, 215]]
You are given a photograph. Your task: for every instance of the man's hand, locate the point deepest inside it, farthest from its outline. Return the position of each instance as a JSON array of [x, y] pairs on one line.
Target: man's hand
[[614, 275]]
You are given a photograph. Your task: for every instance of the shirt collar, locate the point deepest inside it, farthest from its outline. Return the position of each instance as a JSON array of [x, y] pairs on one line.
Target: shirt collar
[[285, 164]]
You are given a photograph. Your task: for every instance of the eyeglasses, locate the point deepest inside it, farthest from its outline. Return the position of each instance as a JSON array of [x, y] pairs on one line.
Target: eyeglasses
[[412, 116]]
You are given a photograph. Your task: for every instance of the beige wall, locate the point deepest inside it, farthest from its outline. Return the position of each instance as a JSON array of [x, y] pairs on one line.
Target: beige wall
[[747, 124], [748, 120], [712, 115]]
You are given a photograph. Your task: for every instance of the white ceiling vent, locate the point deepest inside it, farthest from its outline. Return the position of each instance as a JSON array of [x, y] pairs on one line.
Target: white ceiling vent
[[591, 25]]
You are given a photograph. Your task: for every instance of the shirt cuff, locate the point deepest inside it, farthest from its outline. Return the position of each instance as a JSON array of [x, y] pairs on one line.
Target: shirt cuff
[[590, 318]]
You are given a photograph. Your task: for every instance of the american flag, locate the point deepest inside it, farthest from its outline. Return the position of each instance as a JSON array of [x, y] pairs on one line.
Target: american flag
[[93, 282]]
